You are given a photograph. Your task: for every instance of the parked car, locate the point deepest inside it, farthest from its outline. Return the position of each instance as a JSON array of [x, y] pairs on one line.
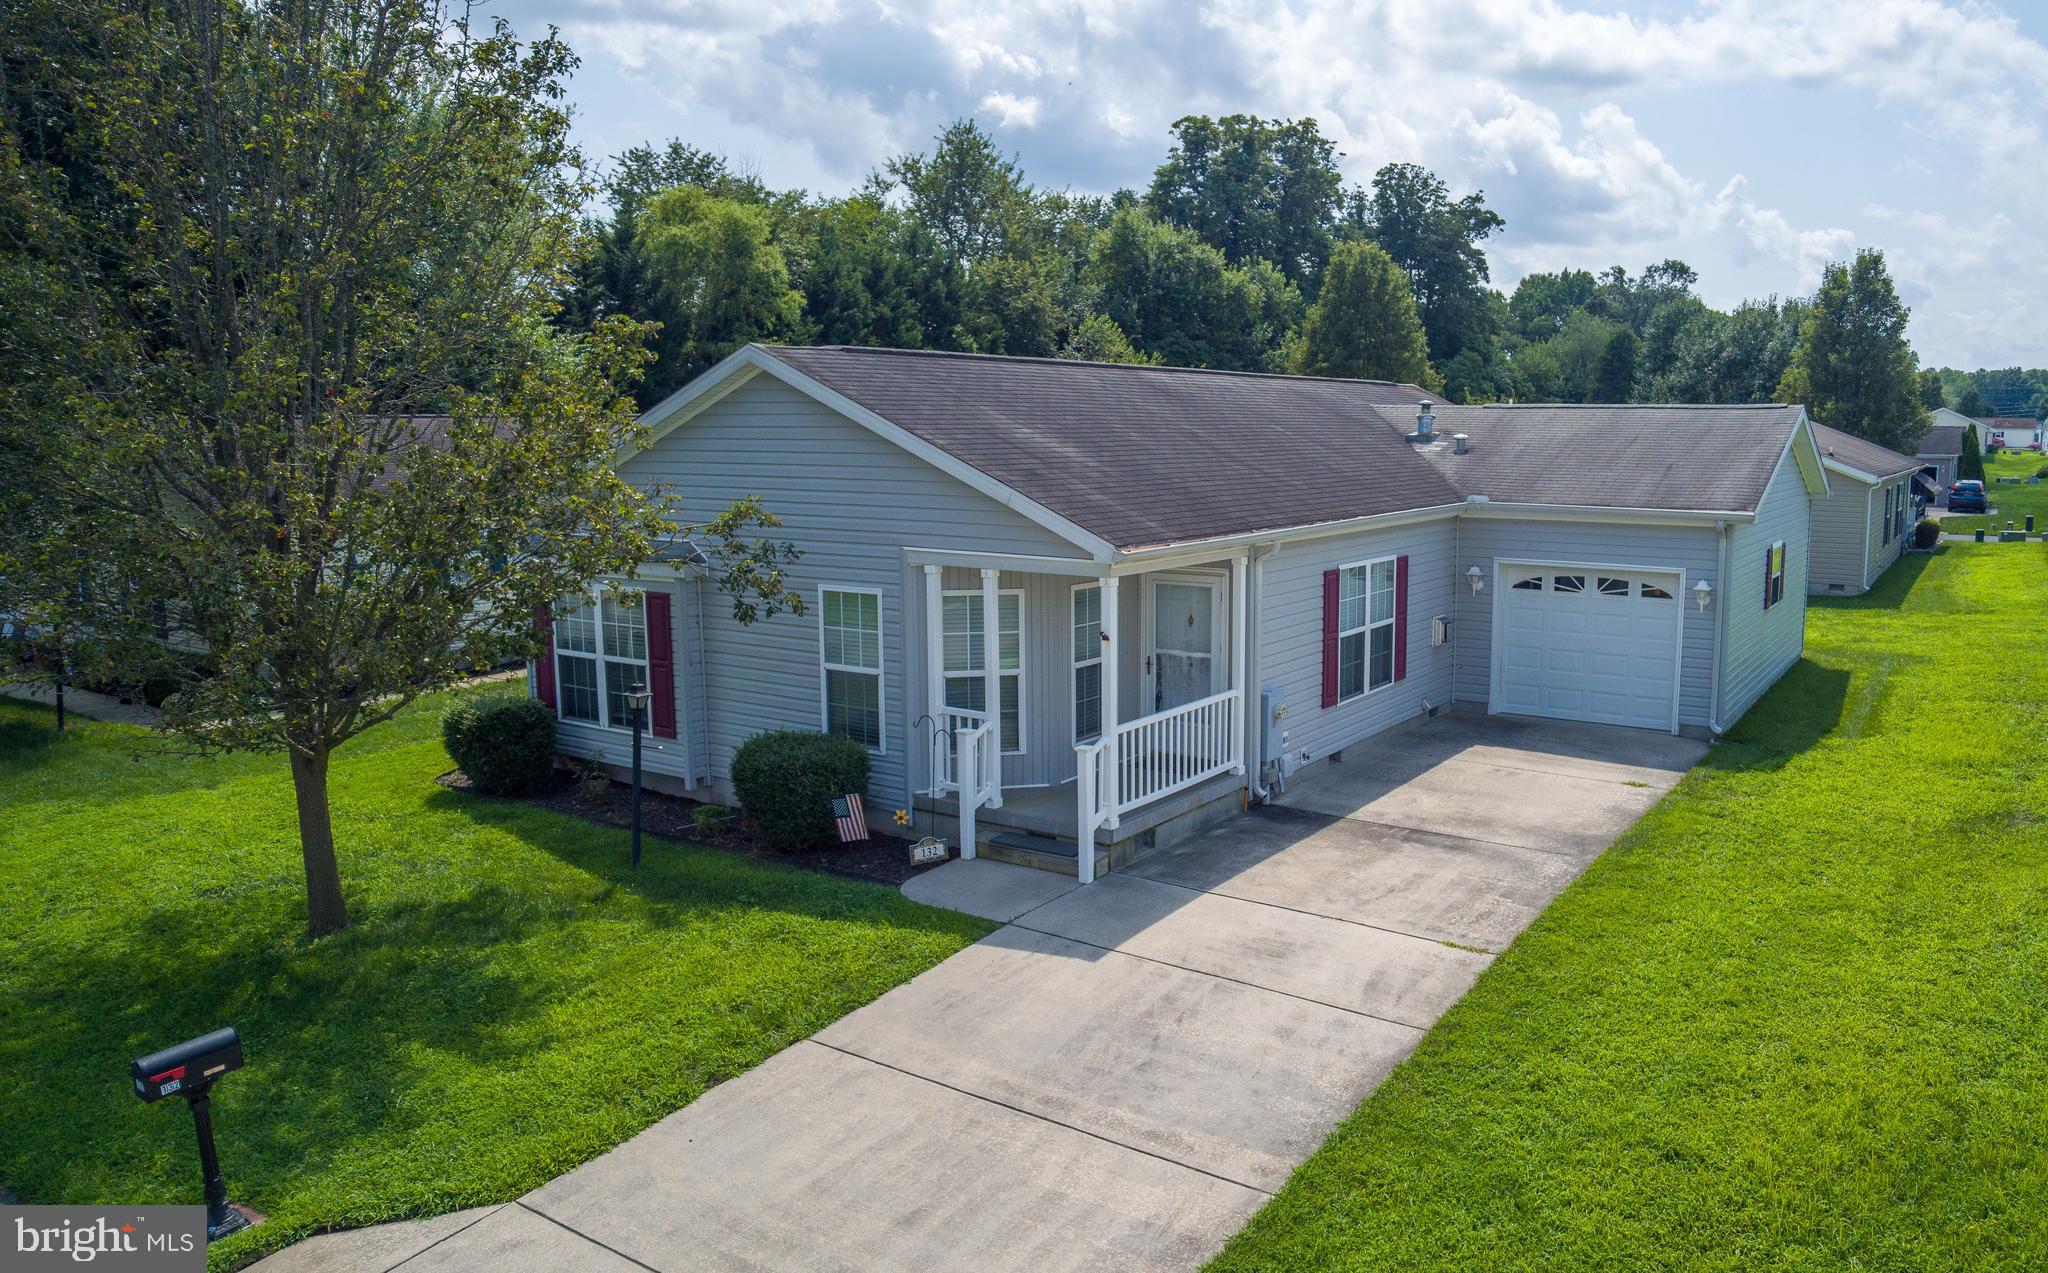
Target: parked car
[[1968, 496]]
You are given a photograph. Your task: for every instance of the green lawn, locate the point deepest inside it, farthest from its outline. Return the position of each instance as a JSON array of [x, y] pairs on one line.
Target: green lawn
[[508, 1003], [2013, 503], [1796, 1019]]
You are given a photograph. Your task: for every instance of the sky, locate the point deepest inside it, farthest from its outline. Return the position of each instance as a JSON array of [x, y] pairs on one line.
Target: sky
[[1755, 140]]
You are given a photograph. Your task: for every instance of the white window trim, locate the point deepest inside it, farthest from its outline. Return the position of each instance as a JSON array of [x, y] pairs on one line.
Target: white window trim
[[595, 598], [995, 713], [1391, 559], [1074, 674], [880, 671]]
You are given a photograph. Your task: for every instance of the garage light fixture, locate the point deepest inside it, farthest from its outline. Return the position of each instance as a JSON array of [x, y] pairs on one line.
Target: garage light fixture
[[1476, 579], [1703, 592]]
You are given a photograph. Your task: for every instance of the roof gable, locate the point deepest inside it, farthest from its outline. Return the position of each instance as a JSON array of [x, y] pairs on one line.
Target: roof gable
[[1861, 458]]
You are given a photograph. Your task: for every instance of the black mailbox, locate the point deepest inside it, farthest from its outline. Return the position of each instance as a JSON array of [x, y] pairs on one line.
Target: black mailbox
[[187, 1067]]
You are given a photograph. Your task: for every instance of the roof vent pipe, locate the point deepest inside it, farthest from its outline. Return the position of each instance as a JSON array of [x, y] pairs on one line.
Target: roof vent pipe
[[1425, 421], [1460, 443]]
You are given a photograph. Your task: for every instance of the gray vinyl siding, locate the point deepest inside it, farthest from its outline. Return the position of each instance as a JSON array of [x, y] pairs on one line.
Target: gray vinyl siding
[[1289, 632], [1762, 644], [1883, 554], [851, 502], [1484, 541], [1048, 698], [1848, 532], [1845, 524], [615, 746]]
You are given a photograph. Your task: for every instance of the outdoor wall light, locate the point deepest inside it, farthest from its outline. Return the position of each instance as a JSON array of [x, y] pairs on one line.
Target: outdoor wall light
[[1477, 579], [1703, 592]]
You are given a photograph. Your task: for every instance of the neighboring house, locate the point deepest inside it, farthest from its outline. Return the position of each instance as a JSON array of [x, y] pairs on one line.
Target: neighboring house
[[1941, 447], [2015, 433], [1861, 526], [1159, 591]]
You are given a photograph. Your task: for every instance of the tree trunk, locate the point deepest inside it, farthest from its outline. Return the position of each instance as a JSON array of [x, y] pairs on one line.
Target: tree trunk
[[325, 910]]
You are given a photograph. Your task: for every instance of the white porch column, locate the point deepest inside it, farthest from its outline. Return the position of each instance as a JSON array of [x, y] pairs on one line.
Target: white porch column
[[1240, 654], [992, 680], [934, 673], [1112, 654]]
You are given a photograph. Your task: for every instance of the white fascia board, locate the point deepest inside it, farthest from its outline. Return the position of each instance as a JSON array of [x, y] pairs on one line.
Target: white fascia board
[[1812, 469], [1868, 479], [1491, 510], [1082, 567], [1314, 530], [664, 417]]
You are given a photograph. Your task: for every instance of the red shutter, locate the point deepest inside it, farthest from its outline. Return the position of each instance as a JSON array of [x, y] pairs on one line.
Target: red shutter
[[544, 668], [1400, 617], [661, 666], [1330, 638]]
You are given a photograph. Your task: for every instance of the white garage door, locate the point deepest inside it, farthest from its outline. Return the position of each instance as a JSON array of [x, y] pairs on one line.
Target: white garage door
[[1583, 643]]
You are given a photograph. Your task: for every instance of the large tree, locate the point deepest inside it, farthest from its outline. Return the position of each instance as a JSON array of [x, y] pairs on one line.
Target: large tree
[[1437, 240], [1854, 370], [715, 263], [1254, 189], [314, 415], [1363, 324], [1179, 300]]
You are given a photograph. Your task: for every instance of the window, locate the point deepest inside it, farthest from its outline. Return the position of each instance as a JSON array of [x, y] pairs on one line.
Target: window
[[600, 653], [1568, 583], [1365, 628], [1607, 586], [1774, 574], [1087, 662], [962, 647], [1890, 512], [1533, 583], [1651, 592], [850, 655]]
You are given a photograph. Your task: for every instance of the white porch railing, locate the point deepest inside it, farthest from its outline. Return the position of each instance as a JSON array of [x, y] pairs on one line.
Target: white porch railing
[[946, 767], [977, 747], [1153, 757]]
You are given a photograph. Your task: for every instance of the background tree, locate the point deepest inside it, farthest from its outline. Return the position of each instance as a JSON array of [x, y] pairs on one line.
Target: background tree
[[1097, 339], [1364, 325], [316, 415], [1436, 239], [1854, 370], [1973, 403], [1970, 464], [715, 264], [1254, 189], [1614, 376], [1931, 395], [1178, 299]]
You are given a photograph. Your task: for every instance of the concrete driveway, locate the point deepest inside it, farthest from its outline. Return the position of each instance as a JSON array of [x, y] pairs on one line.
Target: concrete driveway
[[1120, 1076]]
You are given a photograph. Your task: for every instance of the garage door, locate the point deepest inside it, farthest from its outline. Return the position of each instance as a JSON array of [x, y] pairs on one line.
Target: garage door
[[1591, 644]]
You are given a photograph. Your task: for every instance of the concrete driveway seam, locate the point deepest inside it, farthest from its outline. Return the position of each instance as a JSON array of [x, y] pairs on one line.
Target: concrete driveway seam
[[1033, 1114]]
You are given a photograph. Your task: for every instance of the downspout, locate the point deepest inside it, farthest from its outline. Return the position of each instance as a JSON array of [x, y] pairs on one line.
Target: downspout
[[1868, 495], [1254, 687], [1720, 633]]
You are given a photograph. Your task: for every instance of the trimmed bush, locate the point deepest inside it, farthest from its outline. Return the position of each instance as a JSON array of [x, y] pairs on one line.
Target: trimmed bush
[[1926, 534], [505, 745], [785, 781]]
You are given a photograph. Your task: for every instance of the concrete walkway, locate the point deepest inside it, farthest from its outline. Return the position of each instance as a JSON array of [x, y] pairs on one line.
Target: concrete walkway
[[1122, 1074], [86, 703]]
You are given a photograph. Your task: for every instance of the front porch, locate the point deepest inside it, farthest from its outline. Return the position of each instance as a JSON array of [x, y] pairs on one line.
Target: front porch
[[1120, 709]]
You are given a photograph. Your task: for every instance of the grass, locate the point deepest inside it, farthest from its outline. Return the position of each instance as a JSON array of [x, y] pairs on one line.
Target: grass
[[2013, 503], [509, 1001], [1796, 1019]]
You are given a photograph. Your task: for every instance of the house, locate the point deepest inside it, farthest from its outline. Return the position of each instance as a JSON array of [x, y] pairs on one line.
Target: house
[[1941, 447], [1080, 603], [1862, 524], [2015, 433]]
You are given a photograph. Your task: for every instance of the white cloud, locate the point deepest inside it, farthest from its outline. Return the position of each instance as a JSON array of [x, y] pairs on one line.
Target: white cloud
[[1541, 102]]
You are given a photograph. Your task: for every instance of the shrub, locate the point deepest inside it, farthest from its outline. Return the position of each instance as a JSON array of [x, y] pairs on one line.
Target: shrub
[[506, 745], [785, 780], [1926, 534], [709, 819]]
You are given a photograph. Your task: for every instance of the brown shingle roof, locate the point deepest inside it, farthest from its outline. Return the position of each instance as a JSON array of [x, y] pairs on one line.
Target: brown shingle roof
[[1862, 454], [1142, 456], [1148, 455]]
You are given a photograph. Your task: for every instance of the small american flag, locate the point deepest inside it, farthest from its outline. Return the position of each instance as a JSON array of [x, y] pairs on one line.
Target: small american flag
[[848, 817]]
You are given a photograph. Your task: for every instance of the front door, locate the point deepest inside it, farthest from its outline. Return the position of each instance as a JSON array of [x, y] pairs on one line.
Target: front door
[[1183, 639]]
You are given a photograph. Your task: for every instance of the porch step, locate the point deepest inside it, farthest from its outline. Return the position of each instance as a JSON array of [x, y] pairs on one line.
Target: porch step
[[1046, 853]]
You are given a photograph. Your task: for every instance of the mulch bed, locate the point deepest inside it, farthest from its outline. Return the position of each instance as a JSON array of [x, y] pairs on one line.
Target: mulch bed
[[883, 859]]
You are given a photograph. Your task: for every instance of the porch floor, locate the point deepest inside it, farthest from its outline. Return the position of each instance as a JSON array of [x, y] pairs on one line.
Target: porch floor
[[1050, 811]]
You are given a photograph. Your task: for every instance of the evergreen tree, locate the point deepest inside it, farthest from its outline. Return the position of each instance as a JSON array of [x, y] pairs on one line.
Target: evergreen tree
[[1364, 325], [1970, 465], [1436, 239], [1614, 378], [1178, 299], [1254, 189]]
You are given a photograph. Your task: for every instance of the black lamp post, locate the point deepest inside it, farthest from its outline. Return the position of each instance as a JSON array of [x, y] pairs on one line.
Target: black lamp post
[[636, 702]]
